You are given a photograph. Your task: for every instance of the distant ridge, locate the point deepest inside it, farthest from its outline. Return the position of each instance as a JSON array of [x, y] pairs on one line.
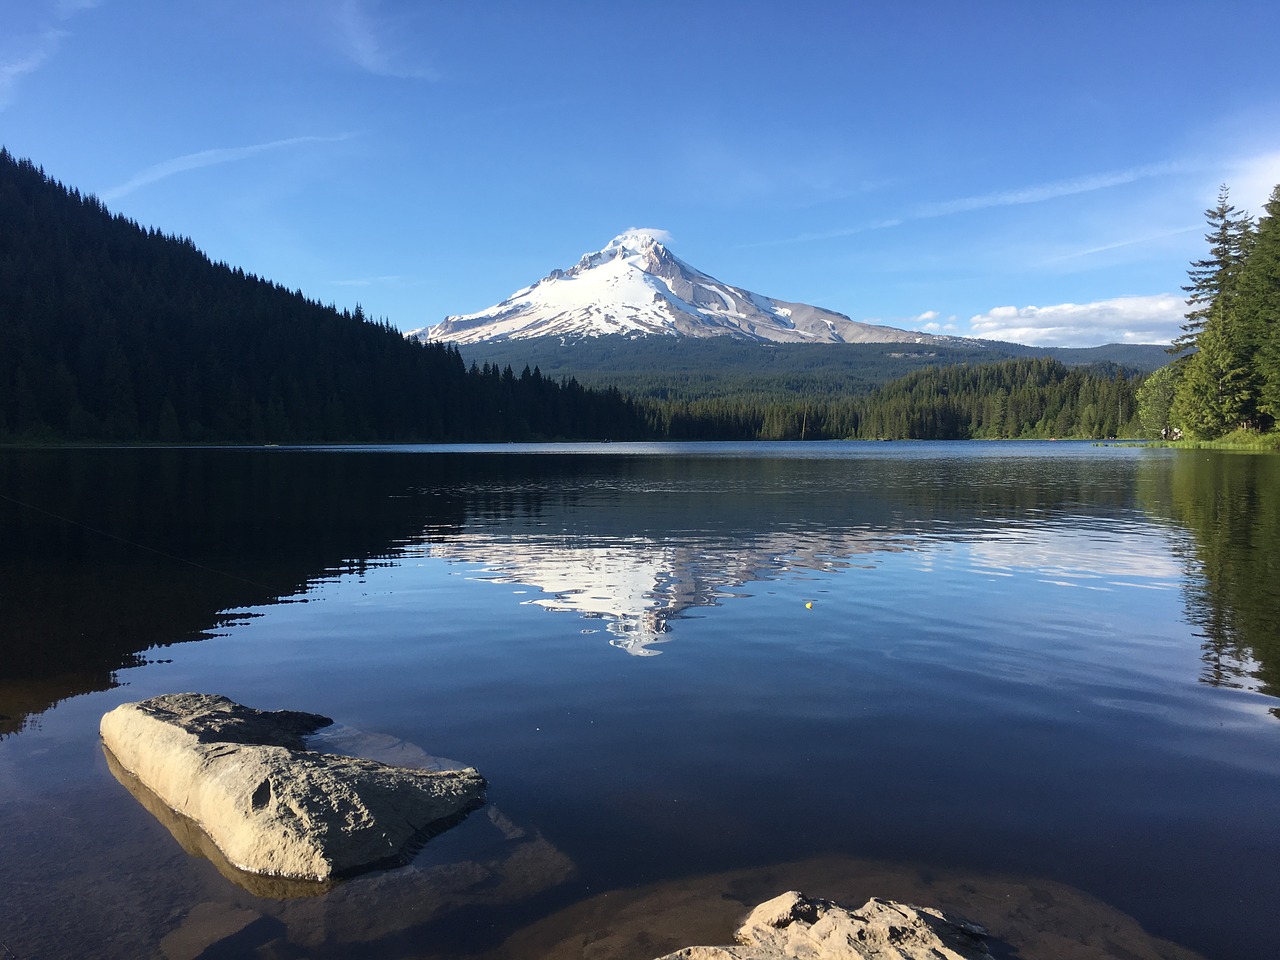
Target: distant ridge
[[635, 287], [672, 368]]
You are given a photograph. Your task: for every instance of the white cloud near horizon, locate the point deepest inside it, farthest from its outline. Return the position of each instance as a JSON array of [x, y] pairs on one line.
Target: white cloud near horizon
[[931, 322], [1142, 319], [205, 158]]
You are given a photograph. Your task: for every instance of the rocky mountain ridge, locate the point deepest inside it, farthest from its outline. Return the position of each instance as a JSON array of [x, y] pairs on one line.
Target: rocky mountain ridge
[[636, 287]]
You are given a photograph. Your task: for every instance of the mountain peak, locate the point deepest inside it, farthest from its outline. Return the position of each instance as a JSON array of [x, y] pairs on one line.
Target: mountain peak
[[635, 287], [638, 240], [642, 248]]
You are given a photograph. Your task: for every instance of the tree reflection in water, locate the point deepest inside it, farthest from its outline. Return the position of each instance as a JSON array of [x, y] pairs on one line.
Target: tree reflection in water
[[1229, 506]]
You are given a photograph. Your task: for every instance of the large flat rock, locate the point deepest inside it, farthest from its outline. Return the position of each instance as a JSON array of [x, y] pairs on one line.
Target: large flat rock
[[270, 805], [795, 927]]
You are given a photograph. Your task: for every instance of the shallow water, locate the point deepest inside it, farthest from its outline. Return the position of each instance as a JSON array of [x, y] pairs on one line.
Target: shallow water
[[1003, 663]]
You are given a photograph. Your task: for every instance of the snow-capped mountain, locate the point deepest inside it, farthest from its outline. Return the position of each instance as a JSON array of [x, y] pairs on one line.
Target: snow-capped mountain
[[636, 287]]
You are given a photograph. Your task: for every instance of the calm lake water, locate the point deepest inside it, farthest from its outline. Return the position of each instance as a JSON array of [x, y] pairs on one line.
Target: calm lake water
[[1036, 682]]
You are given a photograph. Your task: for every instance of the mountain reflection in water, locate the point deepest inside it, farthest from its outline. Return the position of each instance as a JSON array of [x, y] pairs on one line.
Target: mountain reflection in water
[[1044, 661], [637, 586], [160, 546]]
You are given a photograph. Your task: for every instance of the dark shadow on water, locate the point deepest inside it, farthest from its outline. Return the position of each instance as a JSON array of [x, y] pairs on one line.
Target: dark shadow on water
[[108, 556], [1229, 505], [1026, 918]]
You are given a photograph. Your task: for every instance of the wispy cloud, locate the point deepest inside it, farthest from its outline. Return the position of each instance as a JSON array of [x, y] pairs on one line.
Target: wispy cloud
[[1120, 245], [662, 236], [1251, 179], [38, 53], [1035, 193], [363, 39], [828, 234], [206, 158], [1148, 319], [39, 49], [66, 9], [1039, 193]]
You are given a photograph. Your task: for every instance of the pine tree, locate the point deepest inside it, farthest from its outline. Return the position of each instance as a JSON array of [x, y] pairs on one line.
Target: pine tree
[[1155, 400], [1216, 391], [1258, 307], [1214, 280], [1219, 386], [110, 331]]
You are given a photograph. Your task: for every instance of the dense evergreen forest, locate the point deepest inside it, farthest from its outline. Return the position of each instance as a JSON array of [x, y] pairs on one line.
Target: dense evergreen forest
[[680, 368], [1014, 399], [112, 332], [1227, 375]]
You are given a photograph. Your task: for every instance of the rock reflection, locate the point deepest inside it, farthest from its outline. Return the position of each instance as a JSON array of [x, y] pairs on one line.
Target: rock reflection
[[197, 843], [1028, 918], [503, 846]]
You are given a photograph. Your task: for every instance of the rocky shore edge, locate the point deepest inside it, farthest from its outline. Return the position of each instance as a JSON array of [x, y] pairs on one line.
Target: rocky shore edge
[[792, 926], [269, 804]]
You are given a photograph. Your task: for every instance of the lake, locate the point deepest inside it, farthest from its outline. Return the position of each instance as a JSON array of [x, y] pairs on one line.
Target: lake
[[1033, 682]]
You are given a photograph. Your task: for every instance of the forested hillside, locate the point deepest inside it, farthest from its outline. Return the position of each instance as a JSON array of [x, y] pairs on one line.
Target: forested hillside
[[1014, 399], [1227, 377], [112, 332], [682, 368]]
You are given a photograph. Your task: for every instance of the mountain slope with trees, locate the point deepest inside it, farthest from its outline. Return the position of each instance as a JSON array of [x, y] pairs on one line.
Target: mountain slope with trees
[[1015, 399], [113, 332], [110, 332], [687, 369]]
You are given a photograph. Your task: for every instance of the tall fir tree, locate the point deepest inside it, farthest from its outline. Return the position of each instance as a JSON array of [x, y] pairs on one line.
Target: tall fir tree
[[1258, 307], [1218, 386], [1214, 279], [1216, 391]]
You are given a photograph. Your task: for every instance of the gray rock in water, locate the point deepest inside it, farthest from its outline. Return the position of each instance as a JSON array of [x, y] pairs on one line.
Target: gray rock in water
[[271, 806], [795, 927]]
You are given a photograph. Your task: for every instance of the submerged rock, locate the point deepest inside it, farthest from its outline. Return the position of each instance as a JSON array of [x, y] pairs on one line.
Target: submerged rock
[[271, 806], [217, 929], [795, 927]]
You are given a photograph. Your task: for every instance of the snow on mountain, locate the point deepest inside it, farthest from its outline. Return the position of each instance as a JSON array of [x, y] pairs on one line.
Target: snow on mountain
[[636, 287]]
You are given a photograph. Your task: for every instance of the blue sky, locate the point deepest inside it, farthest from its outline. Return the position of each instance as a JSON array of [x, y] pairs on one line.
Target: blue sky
[[1033, 171]]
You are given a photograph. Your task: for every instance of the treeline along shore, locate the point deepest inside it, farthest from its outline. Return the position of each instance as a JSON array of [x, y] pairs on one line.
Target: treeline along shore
[[115, 333], [112, 332]]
